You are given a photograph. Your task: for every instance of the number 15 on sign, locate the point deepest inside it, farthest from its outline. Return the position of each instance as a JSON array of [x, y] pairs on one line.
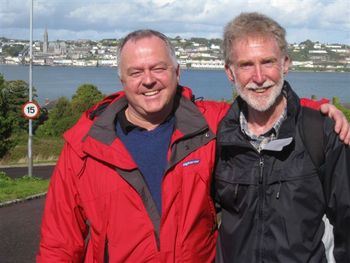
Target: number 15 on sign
[[31, 110]]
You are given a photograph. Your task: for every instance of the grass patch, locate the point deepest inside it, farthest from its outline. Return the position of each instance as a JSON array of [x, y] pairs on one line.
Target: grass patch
[[44, 150], [22, 187]]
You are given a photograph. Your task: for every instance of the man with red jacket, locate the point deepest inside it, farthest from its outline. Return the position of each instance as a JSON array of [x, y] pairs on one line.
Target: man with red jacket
[[133, 182]]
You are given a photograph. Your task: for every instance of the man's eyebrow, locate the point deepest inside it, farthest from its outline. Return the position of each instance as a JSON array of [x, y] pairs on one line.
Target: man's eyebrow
[[130, 69], [244, 61], [161, 63], [273, 59]]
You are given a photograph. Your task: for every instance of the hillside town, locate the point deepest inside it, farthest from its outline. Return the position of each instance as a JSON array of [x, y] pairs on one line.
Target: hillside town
[[196, 53]]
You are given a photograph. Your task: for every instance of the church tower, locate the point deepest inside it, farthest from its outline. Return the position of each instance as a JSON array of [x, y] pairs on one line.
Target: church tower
[[46, 41]]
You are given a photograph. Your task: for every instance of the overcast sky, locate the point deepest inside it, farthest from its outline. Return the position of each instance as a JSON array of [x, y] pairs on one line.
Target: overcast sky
[[327, 21]]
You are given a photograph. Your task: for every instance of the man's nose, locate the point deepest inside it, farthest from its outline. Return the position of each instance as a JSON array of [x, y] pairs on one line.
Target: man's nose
[[148, 79], [259, 75]]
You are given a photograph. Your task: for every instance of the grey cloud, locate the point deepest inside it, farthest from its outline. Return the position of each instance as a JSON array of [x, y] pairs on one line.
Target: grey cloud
[[93, 18]]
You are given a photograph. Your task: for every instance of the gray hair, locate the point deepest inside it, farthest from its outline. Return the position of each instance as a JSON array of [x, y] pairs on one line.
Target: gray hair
[[145, 33], [250, 24]]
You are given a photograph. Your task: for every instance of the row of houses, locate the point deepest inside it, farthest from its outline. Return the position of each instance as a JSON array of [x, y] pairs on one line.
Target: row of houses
[[190, 53]]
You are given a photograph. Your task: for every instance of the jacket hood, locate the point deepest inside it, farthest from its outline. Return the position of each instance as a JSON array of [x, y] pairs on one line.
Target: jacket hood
[[94, 134]]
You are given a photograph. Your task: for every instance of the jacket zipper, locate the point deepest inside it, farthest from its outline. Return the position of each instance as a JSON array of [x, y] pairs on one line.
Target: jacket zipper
[[261, 207], [261, 165]]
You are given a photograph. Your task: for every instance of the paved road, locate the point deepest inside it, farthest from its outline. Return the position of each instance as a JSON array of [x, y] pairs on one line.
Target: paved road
[[20, 231], [20, 223], [43, 171]]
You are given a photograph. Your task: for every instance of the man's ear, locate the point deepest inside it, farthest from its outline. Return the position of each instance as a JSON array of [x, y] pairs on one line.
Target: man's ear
[[122, 81], [229, 73], [120, 77], [286, 63], [178, 73]]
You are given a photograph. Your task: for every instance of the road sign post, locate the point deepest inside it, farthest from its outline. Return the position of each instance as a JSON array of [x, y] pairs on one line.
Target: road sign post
[[30, 110], [30, 132]]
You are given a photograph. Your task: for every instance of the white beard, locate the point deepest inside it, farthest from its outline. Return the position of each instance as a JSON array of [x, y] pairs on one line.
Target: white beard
[[261, 103]]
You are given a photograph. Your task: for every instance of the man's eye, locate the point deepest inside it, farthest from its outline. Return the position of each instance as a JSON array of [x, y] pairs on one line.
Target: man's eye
[[268, 63], [159, 69], [135, 73], [245, 66]]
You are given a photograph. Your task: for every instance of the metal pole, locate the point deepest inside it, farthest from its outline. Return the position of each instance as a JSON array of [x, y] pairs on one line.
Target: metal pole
[[30, 132]]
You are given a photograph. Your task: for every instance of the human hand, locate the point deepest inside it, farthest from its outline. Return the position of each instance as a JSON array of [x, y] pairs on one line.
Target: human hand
[[342, 126]]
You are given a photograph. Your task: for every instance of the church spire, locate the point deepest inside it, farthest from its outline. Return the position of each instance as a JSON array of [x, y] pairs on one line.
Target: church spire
[[46, 41]]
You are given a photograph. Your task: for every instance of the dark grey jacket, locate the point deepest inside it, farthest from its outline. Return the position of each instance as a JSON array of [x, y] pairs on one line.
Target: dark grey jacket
[[273, 202]]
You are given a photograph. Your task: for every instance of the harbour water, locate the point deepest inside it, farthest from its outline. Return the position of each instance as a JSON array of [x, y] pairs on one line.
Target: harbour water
[[53, 82]]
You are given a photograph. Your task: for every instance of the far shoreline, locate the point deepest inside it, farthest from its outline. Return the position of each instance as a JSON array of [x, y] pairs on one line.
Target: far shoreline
[[182, 68]]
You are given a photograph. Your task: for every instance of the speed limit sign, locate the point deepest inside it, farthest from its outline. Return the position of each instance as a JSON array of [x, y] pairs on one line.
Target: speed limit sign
[[31, 110]]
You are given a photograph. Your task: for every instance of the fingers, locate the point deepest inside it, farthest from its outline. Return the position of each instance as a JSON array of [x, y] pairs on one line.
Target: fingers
[[342, 126], [346, 136], [332, 112]]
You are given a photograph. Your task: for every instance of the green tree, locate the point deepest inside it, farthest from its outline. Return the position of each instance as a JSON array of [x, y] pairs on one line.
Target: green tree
[[5, 120], [216, 41], [308, 44], [200, 40], [59, 119], [17, 92], [12, 50], [85, 96], [66, 113], [17, 95]]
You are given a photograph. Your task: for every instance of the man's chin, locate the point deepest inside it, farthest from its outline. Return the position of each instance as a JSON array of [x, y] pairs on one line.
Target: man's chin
[[260, 105], [156, 111]]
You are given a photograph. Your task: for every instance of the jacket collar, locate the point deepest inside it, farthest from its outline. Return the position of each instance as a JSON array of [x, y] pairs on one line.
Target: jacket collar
[[103, 143], [188, 118]]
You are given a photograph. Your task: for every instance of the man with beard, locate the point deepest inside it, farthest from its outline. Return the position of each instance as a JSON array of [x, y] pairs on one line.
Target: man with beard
[[275, 202]]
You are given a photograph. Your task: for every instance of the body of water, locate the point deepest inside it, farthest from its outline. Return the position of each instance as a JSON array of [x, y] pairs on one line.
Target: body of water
[[53, 82]]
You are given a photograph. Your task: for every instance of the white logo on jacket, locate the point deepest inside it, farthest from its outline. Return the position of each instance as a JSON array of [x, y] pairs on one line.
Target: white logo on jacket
[[191, 162]]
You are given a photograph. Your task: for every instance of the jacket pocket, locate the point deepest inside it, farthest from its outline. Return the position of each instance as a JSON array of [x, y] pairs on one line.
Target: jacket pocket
[[235, 188]]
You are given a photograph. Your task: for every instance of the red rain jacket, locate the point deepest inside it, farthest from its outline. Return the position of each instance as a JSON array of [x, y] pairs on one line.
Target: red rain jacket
[[98, 191]]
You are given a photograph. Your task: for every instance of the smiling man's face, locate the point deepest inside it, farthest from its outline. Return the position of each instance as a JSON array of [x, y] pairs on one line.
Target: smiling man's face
[[257, 70], [149, 77]]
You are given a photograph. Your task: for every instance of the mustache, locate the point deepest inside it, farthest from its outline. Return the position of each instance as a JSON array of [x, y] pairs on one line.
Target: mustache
[[266, 84]]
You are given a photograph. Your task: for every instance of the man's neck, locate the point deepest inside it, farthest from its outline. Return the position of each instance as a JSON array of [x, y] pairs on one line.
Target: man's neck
[[149, 123], [261, 122]]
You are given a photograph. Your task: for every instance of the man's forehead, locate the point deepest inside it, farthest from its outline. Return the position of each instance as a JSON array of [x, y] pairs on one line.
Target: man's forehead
[[146, 52], [142, 41], [143, 46], [254, 40], [257, 45]]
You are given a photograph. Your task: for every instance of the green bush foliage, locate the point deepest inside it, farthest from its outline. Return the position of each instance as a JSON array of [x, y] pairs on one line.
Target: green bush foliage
[[44, 150], [50, 126], [59, 119], [17, 96], [6, 120], [86, 96], [65, 113]]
